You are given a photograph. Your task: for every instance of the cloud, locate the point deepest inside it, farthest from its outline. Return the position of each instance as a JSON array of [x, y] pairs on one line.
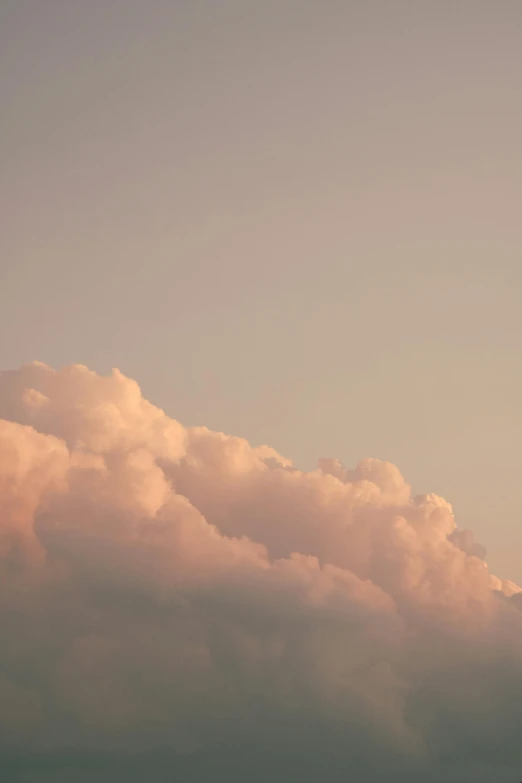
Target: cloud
[[178, 599], [465, 540]]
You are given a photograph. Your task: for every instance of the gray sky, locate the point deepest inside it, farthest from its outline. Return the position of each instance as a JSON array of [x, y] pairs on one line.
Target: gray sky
[[295, 221]]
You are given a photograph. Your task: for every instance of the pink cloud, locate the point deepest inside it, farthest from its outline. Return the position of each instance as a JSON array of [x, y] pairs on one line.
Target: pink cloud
[[165, 587]]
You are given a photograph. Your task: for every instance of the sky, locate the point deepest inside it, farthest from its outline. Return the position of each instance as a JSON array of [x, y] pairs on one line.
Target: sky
[[294, 222]]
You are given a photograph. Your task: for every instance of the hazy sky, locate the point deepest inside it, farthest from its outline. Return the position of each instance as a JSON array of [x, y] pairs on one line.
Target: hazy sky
[[294, 221]]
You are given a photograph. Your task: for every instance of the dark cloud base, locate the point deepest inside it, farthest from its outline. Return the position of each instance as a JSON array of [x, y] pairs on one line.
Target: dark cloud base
[[239, 765]]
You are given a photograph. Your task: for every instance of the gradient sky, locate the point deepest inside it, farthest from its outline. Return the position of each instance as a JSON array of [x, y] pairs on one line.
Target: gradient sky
[[294, 221]]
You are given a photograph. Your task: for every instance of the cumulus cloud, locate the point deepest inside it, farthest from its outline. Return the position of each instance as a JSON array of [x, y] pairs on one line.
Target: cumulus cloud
[[177, 597]]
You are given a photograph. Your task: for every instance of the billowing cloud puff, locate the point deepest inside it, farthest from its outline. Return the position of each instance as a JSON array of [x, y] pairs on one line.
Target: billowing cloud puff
[[176, 604]]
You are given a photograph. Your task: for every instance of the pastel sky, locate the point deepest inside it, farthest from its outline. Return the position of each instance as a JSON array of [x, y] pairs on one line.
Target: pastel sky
[[294, 221], [246, 554]]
